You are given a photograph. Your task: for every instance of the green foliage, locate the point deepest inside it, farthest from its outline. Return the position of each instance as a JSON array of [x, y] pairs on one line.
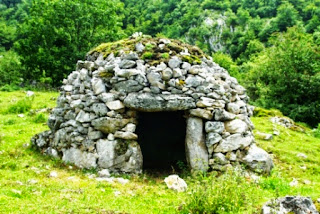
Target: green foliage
[[10, 122], [261, 112], [286, 76], [40, 118], [50, 36], [226, 62], [147, 55], [10, 68], [316, 131], [165, 55], [9, 88], [228, 193], [144, 193], [7, 35], [22, 106], [57, 33], [287, 16], [275, 183]]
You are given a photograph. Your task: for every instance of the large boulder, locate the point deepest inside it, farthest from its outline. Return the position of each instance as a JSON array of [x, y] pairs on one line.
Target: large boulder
[[290, 204]]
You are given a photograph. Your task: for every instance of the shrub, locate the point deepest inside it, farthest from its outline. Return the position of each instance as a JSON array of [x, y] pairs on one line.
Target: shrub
[[225, 61], [10, 122], [40, 118], [22, 106], [286, 76], [228, 193], [9, 88], [316, 132], [10, 69]]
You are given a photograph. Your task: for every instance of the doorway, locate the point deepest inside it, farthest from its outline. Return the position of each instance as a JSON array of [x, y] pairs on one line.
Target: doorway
[[162, 139]]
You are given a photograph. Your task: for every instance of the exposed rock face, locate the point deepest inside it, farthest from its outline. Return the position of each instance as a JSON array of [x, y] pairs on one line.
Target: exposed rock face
[[290, 204], [95, 120]]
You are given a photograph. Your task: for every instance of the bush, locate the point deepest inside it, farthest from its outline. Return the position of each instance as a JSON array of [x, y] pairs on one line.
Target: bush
[[226, 62], [10, 122], [286, 76], [9, 88], [40, 118], [22, 106], [316, 132], [10, 69], [229, 193]]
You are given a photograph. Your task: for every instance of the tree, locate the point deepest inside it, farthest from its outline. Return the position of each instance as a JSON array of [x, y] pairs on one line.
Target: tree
[[10, 68], [59, 32], [287, 76], [287, 16], [7, 35]]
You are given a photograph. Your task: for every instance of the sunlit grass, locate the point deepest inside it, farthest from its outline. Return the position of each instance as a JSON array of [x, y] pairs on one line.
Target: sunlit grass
[[25, 185]]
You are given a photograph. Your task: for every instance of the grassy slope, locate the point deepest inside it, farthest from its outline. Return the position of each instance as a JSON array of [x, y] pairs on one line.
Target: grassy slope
[[73, 191]]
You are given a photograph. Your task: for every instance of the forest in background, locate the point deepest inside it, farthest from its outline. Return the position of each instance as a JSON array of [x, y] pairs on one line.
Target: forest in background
[[271, 46]]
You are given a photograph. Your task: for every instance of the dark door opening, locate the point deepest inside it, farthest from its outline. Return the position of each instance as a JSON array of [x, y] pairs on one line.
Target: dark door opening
[[162, 139]]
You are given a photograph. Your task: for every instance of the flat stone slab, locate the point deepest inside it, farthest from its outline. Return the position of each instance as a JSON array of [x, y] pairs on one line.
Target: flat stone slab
[[154, 103]]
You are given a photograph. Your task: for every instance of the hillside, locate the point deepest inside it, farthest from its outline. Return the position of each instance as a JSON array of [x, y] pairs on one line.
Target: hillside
[[271, 47], [28, 184]]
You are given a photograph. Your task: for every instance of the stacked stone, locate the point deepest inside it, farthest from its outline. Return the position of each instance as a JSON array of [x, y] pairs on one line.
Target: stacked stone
[[95, 119]]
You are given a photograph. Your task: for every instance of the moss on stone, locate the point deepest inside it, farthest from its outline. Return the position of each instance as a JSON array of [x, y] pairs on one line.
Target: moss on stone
[[121, 147], [191, 59], [181, 82], [165, 55], [174, 46], [147, 55], [152, 53], [106, 74], [261, 112]]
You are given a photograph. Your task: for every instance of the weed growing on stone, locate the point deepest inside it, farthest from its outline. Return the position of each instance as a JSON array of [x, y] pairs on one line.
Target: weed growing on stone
[[316, 132]]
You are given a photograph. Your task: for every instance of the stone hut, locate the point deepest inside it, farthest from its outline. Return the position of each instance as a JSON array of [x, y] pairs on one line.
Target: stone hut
[[151, 102]]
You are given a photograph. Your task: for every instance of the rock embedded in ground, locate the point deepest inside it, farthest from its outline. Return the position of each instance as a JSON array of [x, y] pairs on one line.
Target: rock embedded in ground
[[176, 183], [104, 173], [263, 136], [53, 174], [290, 204]]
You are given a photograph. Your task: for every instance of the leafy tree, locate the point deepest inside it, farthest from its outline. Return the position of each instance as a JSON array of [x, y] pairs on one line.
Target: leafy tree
[[10, 68], [287, 16], [10, 3], [7, 35], [58, 32], [225, 61], [287, 76]]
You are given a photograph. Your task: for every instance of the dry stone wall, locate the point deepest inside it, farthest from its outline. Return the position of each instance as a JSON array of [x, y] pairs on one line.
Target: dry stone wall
[[95, 119]]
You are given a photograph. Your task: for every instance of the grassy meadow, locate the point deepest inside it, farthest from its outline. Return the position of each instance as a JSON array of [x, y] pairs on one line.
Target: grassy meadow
[[26, 187]]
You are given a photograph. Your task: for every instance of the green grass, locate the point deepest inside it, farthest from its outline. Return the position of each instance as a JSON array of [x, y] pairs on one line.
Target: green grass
[[74, 192]]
